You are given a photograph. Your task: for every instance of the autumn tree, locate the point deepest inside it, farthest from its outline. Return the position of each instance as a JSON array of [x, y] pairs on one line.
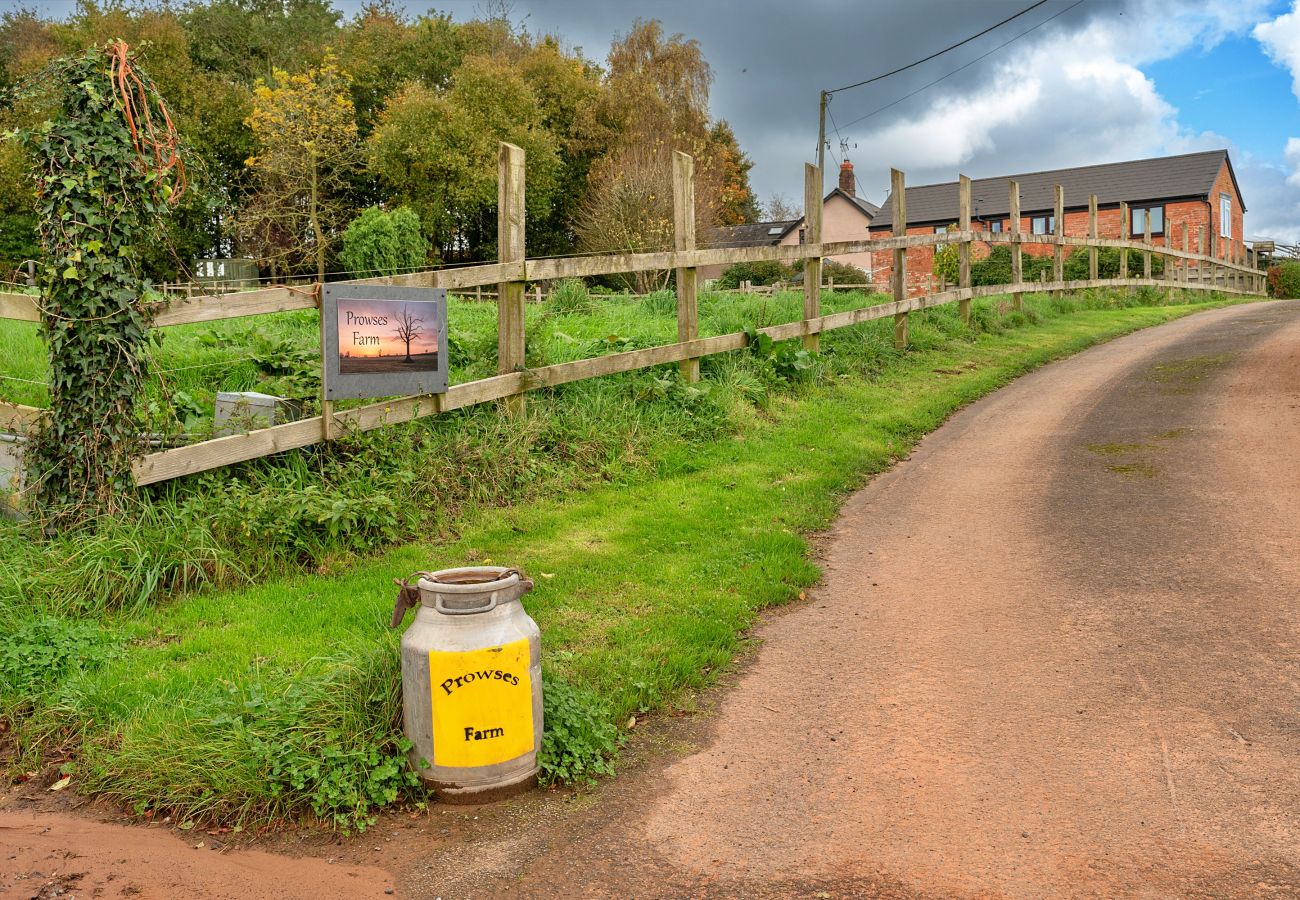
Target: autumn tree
[[306, 136], [658, 103]]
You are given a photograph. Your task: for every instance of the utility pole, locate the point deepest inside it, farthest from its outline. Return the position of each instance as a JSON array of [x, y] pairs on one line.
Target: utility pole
[[821, 137]]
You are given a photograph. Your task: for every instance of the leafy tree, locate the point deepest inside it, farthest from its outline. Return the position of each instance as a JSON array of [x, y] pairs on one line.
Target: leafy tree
[[438, 152], [736, 202], [247, 40], [307, 146], [380, 242], [382, 51]]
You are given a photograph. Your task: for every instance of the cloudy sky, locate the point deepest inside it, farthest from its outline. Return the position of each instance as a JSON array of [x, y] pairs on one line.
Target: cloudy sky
[[1082, 82]]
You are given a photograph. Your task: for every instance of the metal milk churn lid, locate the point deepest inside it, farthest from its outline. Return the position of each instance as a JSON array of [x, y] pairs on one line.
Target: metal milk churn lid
[[471, 682]]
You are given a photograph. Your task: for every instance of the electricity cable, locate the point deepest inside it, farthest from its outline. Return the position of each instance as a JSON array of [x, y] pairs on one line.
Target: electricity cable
[[939, 53]]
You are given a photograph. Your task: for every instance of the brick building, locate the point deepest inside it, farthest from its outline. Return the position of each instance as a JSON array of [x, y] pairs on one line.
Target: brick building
[[845, 217], [1199, 189]]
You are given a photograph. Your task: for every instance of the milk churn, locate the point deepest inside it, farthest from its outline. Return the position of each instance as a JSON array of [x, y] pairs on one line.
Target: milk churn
[[471, 682]]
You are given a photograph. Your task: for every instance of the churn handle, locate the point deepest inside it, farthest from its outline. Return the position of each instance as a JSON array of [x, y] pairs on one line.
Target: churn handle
[[408, 597]]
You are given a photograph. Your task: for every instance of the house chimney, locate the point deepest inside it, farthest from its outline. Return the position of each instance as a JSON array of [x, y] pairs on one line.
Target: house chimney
[[846, 178]]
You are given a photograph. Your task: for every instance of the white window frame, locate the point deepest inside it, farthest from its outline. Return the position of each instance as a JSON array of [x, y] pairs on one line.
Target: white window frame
[[1225, 215]]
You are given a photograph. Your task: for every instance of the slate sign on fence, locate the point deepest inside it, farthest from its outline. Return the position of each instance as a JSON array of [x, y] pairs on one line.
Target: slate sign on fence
[[383, 341]]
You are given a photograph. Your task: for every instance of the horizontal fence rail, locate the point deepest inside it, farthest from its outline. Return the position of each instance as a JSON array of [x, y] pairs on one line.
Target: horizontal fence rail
[[1233, 273]]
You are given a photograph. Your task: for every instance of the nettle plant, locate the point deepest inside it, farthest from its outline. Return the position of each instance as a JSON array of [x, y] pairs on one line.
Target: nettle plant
[[106, 169]]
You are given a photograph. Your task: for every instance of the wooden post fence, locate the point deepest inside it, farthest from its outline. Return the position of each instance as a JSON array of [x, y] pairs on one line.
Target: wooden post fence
[[1092, 234], [1146, 239], [898, 187], [963, 249], [510, 249], [688, 328], [812, 266], [1017, 258], [1125, 226], [1058, 230]]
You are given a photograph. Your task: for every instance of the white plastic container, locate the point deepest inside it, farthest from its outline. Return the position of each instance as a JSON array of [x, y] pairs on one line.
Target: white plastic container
[[471, 682]]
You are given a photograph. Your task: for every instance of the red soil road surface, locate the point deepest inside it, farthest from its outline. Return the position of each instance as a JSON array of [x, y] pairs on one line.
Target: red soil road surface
[[1056, 654]]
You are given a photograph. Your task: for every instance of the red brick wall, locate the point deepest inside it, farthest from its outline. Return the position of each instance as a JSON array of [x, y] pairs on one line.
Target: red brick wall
[[1201, 219]]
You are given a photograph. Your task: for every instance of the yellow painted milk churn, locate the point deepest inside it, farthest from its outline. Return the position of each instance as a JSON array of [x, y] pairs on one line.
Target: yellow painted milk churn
[[471, 682]]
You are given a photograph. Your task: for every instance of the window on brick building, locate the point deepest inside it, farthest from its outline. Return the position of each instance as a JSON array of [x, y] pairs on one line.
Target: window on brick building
[[1042, 225], [996, 226], [1225, 216], [1138, 220]]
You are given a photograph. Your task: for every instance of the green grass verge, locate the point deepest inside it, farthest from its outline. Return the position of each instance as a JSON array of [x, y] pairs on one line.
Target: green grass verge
[[279, 698]]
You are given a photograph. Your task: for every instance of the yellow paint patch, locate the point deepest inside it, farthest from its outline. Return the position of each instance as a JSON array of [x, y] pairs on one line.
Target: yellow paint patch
[[482, 705]]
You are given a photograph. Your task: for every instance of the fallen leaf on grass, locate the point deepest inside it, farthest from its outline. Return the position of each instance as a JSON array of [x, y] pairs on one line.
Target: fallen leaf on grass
[[61, 783], [547, 574]]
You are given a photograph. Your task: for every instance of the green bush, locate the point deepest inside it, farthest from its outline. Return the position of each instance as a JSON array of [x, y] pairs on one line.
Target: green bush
[[383, 242], [1284, 280], [767, 271], [1076, 265], [844, 273], [996, 267], [579, 741]]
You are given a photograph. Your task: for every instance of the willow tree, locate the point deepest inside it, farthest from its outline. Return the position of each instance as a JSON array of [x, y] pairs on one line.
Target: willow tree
[[106, 169]]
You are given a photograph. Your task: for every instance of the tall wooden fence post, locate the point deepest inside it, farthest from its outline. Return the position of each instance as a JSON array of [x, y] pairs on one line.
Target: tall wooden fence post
[[1092, 236], [1200, 252], [510, 249], [688, 326], [812, 266], [1146, 254], [1017, 260], [1125, 233], [1058, 232], [898, 186], [963, 249], [1185, 264]]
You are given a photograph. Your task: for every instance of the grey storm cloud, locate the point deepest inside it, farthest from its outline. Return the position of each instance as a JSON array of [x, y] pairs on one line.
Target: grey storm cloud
[[1069, 92]]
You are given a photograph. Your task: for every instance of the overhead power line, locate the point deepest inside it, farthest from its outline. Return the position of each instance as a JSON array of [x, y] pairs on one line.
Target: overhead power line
[[913, 65], [965, 66]]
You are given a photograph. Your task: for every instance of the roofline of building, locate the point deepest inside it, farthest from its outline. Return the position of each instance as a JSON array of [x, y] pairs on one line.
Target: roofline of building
[[1029, 213]]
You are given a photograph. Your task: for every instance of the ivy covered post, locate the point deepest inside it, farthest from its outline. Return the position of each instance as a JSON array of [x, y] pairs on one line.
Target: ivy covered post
[[106, 168]]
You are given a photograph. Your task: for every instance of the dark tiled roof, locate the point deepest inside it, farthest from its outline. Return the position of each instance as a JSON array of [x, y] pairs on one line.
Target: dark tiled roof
[[754, 234], [1165, 177]]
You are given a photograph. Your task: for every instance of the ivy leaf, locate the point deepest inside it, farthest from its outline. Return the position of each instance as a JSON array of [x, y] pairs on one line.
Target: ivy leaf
[[71, 273]]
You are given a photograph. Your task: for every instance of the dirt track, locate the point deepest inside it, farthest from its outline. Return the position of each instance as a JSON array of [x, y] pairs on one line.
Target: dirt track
[[1056, 653]]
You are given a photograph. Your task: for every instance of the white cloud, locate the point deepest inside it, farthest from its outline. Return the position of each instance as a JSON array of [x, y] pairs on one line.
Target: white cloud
[[1292, 155], [1280, 39]]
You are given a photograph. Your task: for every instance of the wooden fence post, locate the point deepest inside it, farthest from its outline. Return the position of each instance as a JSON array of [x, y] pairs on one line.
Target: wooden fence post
[[1200, 251], [1017, 259], [963, 249], [1125, 233], [1058, 232], [1187, 248], [1092, 235], [830, 284], [898, 187], [510, 249], [1146, 254], [688, 327], [812, 266]]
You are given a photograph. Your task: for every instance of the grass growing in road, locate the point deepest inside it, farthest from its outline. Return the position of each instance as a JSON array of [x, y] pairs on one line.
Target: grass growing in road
[[279, 698]]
